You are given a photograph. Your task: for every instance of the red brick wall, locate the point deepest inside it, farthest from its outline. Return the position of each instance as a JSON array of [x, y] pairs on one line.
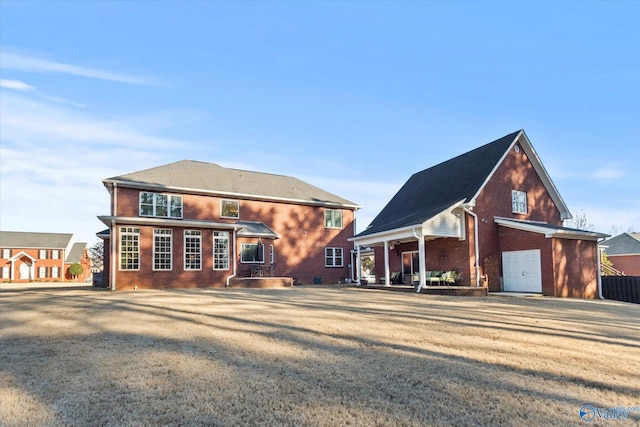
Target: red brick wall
[[575, 265], [45, 262], [299, 253], [628, 264], [514, 173]]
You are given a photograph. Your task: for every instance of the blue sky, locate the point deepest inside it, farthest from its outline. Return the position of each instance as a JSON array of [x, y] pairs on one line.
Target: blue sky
[[353, 97]]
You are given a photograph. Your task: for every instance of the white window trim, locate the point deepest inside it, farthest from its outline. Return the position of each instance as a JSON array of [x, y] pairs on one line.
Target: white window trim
[[326, 211], [517, 202], [222, 201], [169, 198], [333, 257], [198, 237], [128, 231], [251, 262], [42, 253], [55, 272], [170, 236], [42, 272], [223, 237]]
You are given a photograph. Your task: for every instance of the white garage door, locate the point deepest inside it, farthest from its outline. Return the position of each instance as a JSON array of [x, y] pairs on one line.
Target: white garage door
[[522, 271]]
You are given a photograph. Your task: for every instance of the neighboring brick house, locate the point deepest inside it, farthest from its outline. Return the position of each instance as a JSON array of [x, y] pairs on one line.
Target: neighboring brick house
[[196, 224], [623, 251], [494, 216], [41, 257]]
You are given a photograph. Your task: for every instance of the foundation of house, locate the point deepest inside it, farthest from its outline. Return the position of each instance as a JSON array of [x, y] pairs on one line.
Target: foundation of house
[[460, 291], [261, 282]]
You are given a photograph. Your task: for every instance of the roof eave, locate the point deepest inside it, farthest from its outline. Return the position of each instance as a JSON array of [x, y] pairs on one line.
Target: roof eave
[[150, 186]]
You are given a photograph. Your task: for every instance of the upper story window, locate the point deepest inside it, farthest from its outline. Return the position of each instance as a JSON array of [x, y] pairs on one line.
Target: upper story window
[[55, 254], [42, 254], [518, 202], [162, 205], [6, 253], [332, 218], [229, 209]]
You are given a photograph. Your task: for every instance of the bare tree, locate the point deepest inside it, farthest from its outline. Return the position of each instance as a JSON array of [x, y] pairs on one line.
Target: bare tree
[[580, 221], [96, 252]]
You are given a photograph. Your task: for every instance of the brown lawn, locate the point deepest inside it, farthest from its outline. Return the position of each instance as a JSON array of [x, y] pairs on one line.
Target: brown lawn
[[312, 356]]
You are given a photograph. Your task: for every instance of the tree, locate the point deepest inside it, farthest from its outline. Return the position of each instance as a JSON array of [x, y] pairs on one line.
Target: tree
[[368, 264], [75, 270], [580, 221], [96, 252]]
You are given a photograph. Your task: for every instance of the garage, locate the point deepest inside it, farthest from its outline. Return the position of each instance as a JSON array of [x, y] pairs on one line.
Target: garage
[[521, 271]]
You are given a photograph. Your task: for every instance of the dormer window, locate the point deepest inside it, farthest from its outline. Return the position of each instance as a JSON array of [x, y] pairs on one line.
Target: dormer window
[[518, 202]]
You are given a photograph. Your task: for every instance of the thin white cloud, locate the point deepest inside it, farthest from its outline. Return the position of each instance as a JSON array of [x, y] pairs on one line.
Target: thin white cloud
[[25, 120], [608, 173], [15, 85], [18, 61]]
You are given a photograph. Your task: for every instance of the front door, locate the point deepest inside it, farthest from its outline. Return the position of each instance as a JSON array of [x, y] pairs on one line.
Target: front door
[[25, 271], [410, 267], [521, 271]]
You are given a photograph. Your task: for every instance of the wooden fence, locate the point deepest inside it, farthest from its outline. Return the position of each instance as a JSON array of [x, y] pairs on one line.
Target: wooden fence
[[621, 288]]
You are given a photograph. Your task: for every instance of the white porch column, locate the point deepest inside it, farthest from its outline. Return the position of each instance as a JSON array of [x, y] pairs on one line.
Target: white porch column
[[387, 274], [422, 261], [358, 266]]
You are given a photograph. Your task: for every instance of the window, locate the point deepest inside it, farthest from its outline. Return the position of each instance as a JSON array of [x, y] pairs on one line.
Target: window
[[6, 273], [162, 249], [192, 249], [220, 250], [229, 209], [252, 252], [6, 253], [55, 254], [129, 248], [161, 205], [42, 272], [55, 272], [42, 254], [272, 255], [332, 218], [333, 257], [519, 201]]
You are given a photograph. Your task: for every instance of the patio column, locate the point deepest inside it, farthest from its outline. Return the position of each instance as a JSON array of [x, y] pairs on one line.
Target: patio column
[[422, 261], [358, 265], [387, 274]]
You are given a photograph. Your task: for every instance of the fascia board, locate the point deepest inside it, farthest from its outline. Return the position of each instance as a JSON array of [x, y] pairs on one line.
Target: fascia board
[[167, 222], [550, 232], [388, 235], [537, 166], [230, 194]]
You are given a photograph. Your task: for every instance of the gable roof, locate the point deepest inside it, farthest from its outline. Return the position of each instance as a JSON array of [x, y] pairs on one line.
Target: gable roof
[[210, 178], [458, 180], [29, 240], [623, 244], [76, 252]]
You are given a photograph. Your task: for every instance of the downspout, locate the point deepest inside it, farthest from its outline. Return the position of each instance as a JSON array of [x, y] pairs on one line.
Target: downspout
[[599, 270], [114, 258], [475, 241], [235, 257]]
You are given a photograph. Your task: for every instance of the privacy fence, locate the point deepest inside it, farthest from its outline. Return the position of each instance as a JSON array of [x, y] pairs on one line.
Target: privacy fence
[[621, 288]]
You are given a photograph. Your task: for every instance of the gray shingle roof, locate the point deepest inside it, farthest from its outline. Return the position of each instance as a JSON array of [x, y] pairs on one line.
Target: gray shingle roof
[[623, 244], [29, 240], [429, 192], [194, 176], [75, 254]]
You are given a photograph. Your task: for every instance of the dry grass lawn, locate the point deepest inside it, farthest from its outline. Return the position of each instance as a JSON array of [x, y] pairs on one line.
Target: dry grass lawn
[[312, 356]]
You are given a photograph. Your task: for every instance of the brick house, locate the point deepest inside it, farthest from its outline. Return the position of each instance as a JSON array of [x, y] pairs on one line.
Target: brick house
[[494, 217], [41, 257], [197, 224], [623, 251]]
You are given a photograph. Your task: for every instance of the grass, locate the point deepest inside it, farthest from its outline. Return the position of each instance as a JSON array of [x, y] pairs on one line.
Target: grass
[[312, 356]]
